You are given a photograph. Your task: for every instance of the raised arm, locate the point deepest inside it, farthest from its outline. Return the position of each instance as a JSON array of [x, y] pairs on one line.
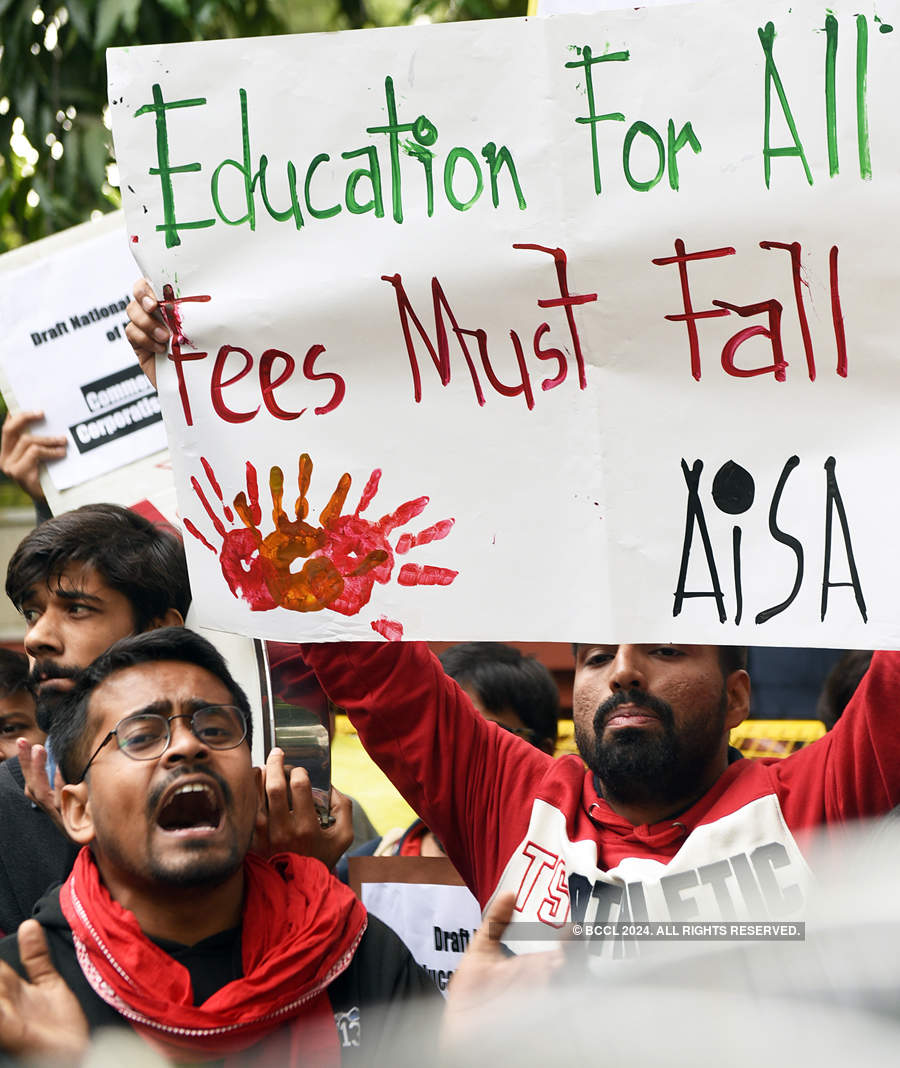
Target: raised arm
[[467, 779]]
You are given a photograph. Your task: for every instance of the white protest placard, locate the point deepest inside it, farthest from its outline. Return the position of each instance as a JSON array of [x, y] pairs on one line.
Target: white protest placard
[[424, 900], [572, 328], [63, 349]]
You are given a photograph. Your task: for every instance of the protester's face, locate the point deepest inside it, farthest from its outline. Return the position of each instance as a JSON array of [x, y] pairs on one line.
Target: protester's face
[[68, 623], [652, 720], [17, 721], [182, 819]]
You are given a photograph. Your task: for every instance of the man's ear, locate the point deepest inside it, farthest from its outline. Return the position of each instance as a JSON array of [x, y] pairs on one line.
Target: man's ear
[[737, 692], [172, 618], [75, 808]]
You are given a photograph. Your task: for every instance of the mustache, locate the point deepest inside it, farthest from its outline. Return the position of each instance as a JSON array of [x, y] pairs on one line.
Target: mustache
[[179, 772], [638, 698], [43, 670]]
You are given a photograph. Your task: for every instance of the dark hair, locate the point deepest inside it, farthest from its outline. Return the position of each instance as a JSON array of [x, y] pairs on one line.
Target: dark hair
[[13, 673], [840, 685], [68, 732], [504, 678], [731, 657], [140, 560]]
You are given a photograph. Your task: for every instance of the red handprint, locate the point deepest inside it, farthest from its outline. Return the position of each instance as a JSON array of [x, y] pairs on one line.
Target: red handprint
[[248, 573], [344, 557]]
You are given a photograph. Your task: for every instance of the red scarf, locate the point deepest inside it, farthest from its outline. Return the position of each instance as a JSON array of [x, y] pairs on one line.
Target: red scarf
[[300, 929]]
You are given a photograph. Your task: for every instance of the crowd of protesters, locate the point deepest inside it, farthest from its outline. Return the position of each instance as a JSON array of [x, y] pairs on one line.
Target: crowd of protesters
[[153, 880]]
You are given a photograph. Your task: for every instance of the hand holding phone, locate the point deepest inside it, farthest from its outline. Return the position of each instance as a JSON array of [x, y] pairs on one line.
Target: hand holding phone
[[290, 821]]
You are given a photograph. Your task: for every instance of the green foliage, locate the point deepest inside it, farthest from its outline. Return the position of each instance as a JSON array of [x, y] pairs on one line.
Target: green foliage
[[55, 146]]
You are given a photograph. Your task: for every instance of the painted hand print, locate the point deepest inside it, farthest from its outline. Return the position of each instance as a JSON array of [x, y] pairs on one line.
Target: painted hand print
[[343, 556]]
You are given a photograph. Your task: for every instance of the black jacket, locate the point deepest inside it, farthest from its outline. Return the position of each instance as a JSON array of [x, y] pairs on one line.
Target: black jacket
[[34, 854]]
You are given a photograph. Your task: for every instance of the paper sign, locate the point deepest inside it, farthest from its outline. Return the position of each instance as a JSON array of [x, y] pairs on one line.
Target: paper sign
[[64, 350], [575, 328], [424, 901]]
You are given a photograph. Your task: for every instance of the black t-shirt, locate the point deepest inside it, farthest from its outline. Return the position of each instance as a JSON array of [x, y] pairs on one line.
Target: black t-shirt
[[211, 964]]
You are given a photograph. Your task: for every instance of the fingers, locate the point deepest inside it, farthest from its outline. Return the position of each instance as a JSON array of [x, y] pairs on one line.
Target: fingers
[[34, 954], [341, 808], [147, 334], [340, 833], [276, 787], [22, 453], [33, 762], [488, 936], [335, 505], [47, 1022], [293, 821], [301, 794]]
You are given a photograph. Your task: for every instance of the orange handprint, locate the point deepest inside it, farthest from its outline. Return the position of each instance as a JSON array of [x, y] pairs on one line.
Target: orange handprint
[[319, 583], [344, 557]]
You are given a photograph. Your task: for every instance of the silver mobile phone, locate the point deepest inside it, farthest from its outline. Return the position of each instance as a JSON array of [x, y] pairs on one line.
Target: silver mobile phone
[[296, 718]]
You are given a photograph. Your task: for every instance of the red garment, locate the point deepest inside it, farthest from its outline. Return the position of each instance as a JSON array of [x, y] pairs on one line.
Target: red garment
[[512, 818], [300, 929], [410, 845]]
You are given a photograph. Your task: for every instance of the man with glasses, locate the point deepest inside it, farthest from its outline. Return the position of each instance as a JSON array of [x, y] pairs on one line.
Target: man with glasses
[[167, 923], [81, 581]]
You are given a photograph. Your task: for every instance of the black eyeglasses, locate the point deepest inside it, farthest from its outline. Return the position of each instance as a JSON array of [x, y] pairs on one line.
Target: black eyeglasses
[[146, 735]]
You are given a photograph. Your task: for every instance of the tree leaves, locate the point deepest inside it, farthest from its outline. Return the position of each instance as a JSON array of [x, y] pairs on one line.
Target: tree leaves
[[111, 14]]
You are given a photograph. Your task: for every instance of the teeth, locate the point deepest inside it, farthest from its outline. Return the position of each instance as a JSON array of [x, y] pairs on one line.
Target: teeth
[[180, 812]]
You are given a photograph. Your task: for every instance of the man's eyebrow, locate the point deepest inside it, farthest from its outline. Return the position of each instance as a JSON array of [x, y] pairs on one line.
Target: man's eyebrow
[[76, 595], [164, 707], [161, 707], [194, 704]]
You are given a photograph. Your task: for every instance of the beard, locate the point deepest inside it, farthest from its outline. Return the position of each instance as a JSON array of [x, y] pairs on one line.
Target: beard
[[192, 864], [198, 871], [651, 765], [48, 701]]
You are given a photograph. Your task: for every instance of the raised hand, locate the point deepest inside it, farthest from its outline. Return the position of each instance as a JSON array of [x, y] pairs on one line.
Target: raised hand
[[146, 331], [22, 453], [487, 981], [290, 822], [33, 762], [39, 1016]]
